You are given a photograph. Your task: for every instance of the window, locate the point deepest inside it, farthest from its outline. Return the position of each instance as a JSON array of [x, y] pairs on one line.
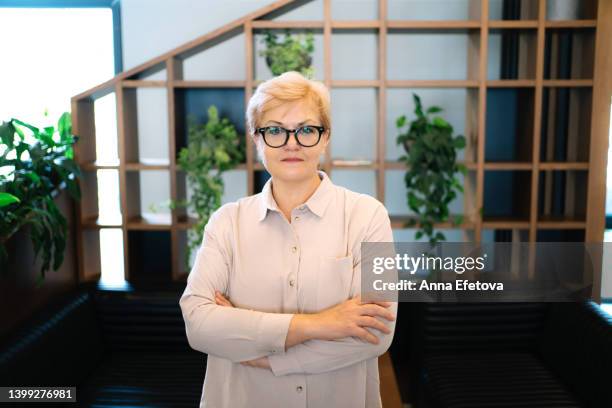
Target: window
[[58, 49]]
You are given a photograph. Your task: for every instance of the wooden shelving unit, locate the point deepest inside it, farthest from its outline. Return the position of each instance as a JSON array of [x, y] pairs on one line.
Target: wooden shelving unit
[[534, 166]]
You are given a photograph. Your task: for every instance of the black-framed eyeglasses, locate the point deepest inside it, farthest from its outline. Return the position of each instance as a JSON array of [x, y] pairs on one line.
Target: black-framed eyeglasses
[[277, 136]]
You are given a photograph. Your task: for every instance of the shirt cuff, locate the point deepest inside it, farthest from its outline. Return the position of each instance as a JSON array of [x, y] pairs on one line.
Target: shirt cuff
[[273, 329], [284, 364]]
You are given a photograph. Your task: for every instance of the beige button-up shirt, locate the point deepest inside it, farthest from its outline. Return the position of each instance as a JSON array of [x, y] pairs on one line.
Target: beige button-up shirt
[[270, 269]]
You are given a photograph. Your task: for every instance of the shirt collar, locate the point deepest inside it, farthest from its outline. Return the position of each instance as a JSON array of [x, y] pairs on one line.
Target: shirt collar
[[317, 203]]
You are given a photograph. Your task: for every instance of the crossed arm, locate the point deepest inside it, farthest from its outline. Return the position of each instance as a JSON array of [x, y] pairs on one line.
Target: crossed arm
[[286, 343]]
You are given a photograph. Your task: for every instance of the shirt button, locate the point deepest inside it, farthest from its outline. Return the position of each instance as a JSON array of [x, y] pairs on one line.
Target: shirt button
[[291, 283], [298, 388], [293, 249]]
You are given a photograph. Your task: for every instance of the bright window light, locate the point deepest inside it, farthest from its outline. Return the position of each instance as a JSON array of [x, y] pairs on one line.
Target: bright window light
[[50, 55]]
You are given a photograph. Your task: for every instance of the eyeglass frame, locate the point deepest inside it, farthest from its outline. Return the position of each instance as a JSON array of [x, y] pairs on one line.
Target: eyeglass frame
[[288, 132]]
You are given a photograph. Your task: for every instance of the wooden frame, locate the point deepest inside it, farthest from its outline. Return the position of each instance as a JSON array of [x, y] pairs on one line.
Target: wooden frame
[[125, 84]]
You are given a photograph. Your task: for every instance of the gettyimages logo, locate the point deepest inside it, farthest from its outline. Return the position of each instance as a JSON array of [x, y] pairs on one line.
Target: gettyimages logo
[[475, 272]]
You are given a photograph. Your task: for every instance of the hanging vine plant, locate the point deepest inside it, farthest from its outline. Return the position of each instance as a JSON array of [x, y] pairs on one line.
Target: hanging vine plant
[[293, 53], [431, 178], [212, 148], [35, 165]]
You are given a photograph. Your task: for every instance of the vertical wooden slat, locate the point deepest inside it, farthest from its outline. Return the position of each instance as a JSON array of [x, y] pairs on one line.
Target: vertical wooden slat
[[482, 109], [248, 92], [600, 122], [382, 101], [537, 125], [327, 74], [537, 129], [173, 72], [121, 134], [83, 125]]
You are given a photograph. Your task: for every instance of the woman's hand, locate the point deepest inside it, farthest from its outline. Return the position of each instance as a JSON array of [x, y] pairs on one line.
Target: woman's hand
[[352, 318], [221, 300], [261, 362]]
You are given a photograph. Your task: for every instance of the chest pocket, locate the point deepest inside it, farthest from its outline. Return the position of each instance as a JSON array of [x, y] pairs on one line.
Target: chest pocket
[[334, 279]]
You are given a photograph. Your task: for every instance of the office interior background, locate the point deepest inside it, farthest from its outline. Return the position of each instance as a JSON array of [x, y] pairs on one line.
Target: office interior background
[[527, 83]]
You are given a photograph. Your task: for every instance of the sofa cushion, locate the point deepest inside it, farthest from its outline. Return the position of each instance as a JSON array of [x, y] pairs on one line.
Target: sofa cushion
[[161, 379], [60, 345], [493, 380]]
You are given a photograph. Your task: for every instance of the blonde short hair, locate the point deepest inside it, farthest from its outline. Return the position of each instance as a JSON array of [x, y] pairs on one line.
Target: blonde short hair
[[288, 87]]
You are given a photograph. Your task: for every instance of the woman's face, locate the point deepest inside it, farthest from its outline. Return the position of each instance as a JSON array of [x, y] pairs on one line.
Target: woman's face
[[291, 162]]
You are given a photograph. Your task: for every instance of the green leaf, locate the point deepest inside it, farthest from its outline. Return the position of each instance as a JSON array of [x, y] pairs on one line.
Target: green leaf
[[7, 199], [401, 121], [459, 142], [438, 121], [7, 134], [434, 109], [64, 126]]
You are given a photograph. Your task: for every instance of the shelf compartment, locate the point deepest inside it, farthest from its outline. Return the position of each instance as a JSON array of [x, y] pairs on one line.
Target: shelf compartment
[[569, 53], [560, 235], [562, 10], [566, 124], [512, 54], [145, 122], [562, 195], [460, 109], [443, 10], [509, 125], [194, 103], [404, 46], [361, 181], [352, 10], [347, 44], [513, 10], [235, 187], [507, 197], [353, 138], [144, 268], [147, 199], [396, 193], [262, 71], [510, 233]]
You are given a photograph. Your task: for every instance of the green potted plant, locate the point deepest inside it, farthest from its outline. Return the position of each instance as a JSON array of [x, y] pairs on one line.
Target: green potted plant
[[293, 53], [35, 165], [212, 148], [431, 162]]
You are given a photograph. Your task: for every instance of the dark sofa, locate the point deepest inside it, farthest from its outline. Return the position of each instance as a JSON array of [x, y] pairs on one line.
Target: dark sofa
[[504, 355], [117, 348]]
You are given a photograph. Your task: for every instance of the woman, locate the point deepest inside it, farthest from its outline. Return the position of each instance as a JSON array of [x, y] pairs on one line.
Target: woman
[[273, 297]]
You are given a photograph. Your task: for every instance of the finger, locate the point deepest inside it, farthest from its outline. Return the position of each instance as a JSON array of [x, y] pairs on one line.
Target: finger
[[219, 299], [368, 321], [365, 335], [380, 303], [375, 310]]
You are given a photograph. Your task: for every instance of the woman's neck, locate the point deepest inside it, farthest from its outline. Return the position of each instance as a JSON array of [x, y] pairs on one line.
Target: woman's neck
[[289, 195]]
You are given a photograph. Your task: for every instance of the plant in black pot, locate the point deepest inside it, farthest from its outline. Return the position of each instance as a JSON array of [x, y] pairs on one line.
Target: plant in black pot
[[293, 53], [35, 165], [432, 169]]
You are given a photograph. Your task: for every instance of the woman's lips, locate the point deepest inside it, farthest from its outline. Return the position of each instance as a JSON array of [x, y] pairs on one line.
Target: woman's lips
[[292, 160]]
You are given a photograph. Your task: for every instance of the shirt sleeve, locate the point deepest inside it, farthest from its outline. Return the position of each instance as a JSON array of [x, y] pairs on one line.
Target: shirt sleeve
[[319, 356], [227, 332]]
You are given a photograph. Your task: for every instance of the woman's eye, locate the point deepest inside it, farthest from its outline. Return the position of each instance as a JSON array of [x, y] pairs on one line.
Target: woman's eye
[[307, 129], [274, 130]]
